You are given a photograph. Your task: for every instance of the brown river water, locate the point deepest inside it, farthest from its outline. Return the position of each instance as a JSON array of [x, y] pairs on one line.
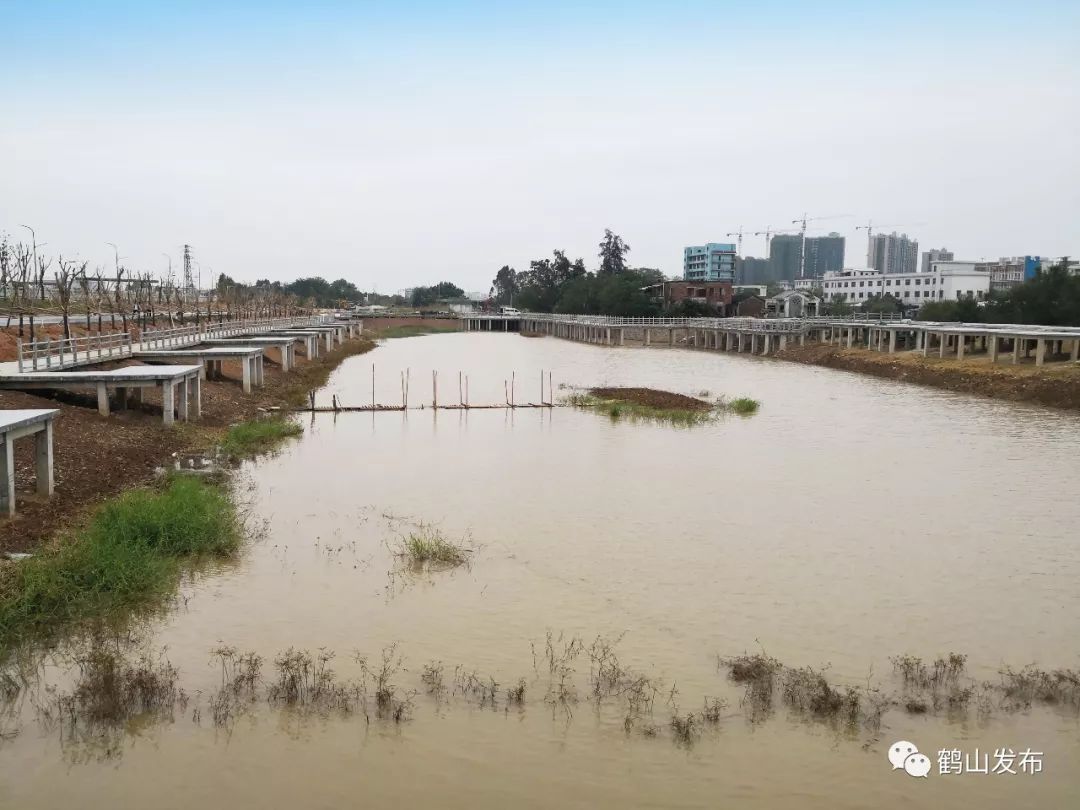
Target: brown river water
[[851, 519]]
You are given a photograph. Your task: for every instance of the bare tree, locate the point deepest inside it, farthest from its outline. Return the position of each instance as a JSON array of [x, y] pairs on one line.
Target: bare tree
[[65, 280]]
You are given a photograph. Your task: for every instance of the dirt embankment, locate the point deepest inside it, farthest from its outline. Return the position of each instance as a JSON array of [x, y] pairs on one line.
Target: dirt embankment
[[1055, 384], [96, 457], [375, 327], [652, 398]]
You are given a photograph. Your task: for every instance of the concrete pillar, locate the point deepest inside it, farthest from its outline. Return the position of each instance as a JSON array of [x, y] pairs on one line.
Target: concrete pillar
[[7, 475], [802, 339], [182, 399], [648, 335], [944, 340], [102, 399], [992, 348], [783, 342], [622, 336], [246, 365], [892, 341], [1074, 355], [961, 341], [196, 398], [1016, 351], [850, 337], [1040, 351], [43, 459], [261, 369], [168, 401]]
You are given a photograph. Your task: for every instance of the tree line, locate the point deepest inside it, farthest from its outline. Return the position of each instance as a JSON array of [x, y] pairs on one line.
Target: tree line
[[558, 284], [33, 284]]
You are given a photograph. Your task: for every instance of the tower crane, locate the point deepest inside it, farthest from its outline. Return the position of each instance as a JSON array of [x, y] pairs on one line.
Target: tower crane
[[738, 234], [769, 233]]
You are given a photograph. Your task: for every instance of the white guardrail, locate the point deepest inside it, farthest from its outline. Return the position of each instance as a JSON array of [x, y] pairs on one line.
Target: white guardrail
[[49, 353]]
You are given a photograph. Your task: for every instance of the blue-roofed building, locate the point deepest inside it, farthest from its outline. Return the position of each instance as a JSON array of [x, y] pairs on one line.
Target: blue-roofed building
[[710, 262]]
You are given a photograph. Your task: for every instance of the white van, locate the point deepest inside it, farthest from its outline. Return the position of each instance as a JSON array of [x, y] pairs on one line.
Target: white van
[[509, 311]]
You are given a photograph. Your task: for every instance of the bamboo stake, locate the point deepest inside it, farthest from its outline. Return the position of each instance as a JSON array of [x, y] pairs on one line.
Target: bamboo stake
[[551, 392], [460, 400], [372, 385], [513, 375], [434, 390]]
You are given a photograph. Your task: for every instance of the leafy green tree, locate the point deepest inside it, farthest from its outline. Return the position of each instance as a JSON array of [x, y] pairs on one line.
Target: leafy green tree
[[505, 285], [613, 252], [885, 304]]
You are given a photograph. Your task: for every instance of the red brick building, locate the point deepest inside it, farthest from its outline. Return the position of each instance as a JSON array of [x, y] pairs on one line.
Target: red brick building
[[714, 294]]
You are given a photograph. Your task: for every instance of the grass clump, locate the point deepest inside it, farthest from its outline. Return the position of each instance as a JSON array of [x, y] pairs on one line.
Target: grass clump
[[429, 546], [743, 406], [130, 551], [258, 436]]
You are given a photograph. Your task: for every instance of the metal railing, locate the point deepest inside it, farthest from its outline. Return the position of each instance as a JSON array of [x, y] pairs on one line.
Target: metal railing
[[784, 325], [58, 353], [37, 355]]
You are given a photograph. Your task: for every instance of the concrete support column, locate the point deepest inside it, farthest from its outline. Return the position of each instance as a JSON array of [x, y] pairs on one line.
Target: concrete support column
[[783, 342], [7, 475], [850, 337], [944, 340], [43, 459], [892, 341], [246, 364], [182, 399], [961, 341], [992, 347], [196, 398], [1016, 350], [1040, 351], [648, 335], [259, 358], [102, 399], [1074, 355], [168, 401], [622, 336]]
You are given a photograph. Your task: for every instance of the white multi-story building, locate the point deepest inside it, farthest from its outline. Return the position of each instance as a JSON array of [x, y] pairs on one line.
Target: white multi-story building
[[946, 281]]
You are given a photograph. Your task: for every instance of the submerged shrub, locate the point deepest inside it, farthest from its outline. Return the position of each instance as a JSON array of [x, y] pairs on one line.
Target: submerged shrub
[[429, 545]]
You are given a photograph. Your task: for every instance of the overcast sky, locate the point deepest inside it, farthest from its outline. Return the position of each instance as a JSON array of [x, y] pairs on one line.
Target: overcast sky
[[405, 143]]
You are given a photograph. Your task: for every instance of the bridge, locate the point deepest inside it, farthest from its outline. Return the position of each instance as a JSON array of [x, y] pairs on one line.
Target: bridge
[[763, 336]]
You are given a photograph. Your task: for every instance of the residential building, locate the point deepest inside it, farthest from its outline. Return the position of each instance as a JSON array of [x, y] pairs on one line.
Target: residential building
[[757, 289], [709, 262], [752, 270], [784, 257], [946, 281], [1007, 272], [824, 254], [714, 294], [889, 253], [935, 255]]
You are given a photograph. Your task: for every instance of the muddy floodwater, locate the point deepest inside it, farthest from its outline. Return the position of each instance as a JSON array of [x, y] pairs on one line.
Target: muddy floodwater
[[849, 521]]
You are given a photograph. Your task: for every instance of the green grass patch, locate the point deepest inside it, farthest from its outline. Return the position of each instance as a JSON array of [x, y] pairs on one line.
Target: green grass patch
[[129, 552], [258, 436], [428, 545], [744, 406]]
